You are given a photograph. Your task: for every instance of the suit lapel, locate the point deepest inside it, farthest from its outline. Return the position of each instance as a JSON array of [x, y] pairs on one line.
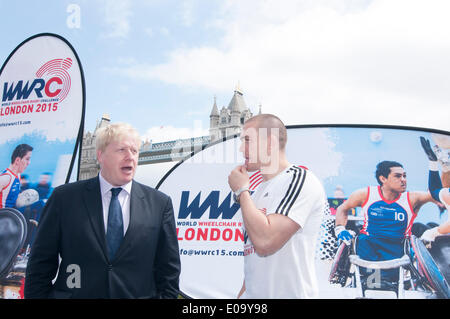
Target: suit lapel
[[93, 203]]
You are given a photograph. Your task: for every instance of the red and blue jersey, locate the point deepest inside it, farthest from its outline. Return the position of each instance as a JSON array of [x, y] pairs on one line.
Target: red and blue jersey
[[387, 219], [9, 193]]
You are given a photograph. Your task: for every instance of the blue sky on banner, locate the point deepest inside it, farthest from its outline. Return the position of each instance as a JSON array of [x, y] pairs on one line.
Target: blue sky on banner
[[158, 64]]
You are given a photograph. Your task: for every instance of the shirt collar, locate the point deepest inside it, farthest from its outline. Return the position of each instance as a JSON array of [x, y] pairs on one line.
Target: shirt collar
[[105, 186]]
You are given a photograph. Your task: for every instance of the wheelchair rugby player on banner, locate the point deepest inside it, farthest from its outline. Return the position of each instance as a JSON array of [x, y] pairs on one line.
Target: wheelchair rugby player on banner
[[437, 238], [385, 248]]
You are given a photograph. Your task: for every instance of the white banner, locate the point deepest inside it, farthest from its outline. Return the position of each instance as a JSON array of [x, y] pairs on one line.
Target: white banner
[[210, 232], [41, 115], [42, 90]]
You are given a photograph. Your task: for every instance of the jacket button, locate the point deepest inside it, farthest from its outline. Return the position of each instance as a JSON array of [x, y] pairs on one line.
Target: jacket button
[[110, 267]]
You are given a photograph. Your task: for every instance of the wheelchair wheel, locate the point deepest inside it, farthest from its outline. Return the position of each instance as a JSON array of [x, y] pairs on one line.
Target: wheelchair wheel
[[427, 268], [440, 251], [341, 265], [13, 231]]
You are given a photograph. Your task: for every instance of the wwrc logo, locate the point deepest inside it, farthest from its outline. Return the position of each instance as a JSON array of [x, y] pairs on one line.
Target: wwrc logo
[[52, 78]]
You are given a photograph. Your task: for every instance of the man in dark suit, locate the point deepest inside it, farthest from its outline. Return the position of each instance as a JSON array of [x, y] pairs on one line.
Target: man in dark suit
[[115, 237]]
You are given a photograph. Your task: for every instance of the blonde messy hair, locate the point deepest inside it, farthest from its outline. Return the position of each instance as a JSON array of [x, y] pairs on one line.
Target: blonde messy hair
[[115, 132]]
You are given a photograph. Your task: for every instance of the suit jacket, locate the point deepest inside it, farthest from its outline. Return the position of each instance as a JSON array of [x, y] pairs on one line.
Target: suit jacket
[[146, 265]]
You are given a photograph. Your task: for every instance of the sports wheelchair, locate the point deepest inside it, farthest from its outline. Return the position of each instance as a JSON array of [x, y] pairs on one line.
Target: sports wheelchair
[[13, 232], [418, 270]]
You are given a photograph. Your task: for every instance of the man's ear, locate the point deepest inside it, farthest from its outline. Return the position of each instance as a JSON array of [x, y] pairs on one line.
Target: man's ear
[[99, 156], [382, 179], [16, 160], [270, 144], [274, 141]]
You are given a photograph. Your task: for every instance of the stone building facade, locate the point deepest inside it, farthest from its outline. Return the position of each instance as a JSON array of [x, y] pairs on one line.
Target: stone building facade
[[229, 120]]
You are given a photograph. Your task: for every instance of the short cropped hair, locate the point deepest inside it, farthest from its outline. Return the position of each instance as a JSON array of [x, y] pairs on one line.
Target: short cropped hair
[[270, 121], [115, 132], [20, 151], [384, 169]]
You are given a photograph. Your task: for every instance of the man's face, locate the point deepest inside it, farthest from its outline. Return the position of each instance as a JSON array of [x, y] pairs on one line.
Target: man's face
[[396, 180], [22, 163], [249, 147], [118, 161], [259, 149]]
